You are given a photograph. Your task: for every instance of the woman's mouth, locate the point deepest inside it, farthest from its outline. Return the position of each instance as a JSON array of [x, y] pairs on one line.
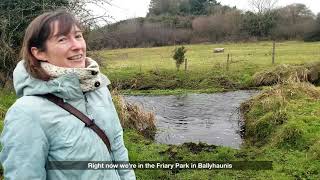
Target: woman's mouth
[[76, 57]]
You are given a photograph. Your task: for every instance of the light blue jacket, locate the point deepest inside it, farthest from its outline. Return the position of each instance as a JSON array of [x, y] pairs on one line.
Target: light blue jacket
[[37, 131]]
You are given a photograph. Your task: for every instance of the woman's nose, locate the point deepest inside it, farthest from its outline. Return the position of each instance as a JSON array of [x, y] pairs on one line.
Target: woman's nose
[[76, 44]]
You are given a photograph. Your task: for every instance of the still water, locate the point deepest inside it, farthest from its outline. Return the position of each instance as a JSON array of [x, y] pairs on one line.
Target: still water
[[210, 118]]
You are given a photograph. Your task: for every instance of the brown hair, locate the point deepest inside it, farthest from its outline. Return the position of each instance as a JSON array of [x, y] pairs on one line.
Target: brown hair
[[38, 32]]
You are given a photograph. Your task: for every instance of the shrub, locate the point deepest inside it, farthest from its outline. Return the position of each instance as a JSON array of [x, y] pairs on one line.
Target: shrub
[[179, 56]]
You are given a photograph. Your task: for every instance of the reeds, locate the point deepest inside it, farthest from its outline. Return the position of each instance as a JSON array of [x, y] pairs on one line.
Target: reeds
[[287, 73], [280, 74], [134, 117], [2, 112]]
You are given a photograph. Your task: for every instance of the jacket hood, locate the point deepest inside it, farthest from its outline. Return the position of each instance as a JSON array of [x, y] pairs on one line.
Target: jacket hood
[[66, 86]]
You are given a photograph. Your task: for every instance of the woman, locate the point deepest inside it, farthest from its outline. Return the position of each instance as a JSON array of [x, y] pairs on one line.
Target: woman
[[37, 131]]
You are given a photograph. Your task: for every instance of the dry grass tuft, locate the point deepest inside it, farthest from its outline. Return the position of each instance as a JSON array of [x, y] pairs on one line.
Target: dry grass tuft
[[267, 112], [287, 73], [280, 74], [134, 117], [2, 112], [277, 97], [281, 93]]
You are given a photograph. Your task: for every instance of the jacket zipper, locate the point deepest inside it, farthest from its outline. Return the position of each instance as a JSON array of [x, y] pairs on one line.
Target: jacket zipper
[[87, 106]]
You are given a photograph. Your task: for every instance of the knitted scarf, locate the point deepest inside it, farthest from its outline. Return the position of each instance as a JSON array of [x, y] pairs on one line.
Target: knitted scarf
[[89, 76]]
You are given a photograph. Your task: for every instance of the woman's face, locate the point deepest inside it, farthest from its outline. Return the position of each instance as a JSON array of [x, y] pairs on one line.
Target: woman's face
[[64, 50]]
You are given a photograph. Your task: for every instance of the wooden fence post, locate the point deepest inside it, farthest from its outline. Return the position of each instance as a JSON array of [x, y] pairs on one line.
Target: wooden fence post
[[228, 62], [185, 65], [273, 50]]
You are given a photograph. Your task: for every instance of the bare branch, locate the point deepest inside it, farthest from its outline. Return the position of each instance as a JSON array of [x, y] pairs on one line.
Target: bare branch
[[263, 6]]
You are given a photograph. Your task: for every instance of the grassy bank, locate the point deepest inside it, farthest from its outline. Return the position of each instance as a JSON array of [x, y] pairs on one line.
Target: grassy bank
[[153, 69]]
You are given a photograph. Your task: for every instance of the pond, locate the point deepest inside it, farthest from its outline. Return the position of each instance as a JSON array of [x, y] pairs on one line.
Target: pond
[[209, 118]]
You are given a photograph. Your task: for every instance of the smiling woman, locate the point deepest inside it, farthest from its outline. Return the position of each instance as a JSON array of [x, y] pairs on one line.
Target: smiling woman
[[66, 50], [56, 39], [37, 132]]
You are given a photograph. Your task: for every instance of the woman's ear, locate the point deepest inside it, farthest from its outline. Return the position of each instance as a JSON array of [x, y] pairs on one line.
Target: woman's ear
[[40, 55]]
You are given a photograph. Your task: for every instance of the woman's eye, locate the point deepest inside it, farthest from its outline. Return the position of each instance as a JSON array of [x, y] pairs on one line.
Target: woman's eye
[[62, 39], [79, 36]]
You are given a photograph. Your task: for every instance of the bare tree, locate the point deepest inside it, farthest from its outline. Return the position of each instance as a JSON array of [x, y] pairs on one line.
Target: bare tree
[[263, 6], [294, 21], [15, 15], [224, 25]]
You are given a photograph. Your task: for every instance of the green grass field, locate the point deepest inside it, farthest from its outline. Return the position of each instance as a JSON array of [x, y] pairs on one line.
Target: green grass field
[[202, 56], [153, 69], [282, 123]]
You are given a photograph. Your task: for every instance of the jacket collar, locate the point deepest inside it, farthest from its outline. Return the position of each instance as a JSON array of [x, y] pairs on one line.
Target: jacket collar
[[66, 86]]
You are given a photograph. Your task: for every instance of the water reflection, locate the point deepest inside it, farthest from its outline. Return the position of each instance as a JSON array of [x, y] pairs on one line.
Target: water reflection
[[209, 118]]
